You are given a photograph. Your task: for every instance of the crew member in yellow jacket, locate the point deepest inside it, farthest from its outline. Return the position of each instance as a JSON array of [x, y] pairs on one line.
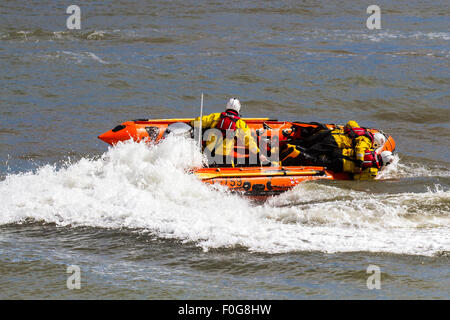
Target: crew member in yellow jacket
[[228, 124], [344, 149]]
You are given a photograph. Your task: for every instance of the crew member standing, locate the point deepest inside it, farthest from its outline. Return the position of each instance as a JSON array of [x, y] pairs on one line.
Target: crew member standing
[[230, 125]]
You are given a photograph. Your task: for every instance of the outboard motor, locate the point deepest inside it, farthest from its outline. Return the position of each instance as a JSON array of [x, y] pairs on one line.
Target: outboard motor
[[179, 129]]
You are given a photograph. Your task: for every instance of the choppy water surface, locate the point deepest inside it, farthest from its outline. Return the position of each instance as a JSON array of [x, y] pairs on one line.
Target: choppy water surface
[[140, 227]]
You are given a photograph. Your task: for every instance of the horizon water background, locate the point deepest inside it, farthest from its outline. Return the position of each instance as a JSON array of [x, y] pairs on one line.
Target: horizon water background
[[139, 227]]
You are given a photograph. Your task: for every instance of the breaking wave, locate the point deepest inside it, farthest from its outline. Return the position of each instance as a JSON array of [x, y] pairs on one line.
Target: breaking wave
[[149, 190]]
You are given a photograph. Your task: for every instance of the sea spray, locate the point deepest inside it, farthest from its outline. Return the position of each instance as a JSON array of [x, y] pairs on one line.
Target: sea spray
[[149, 189]]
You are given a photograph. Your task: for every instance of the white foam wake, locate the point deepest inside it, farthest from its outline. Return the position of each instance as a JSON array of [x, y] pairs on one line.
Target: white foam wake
[[397, 170], [147, 189]]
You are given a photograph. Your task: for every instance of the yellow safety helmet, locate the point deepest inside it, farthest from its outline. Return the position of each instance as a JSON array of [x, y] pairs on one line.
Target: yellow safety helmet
[[352, 124], [349, 125]]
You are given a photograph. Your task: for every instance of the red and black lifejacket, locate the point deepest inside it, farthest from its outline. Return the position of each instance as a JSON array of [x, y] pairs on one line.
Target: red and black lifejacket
[[371, 160], [354, 133], [227, 121]]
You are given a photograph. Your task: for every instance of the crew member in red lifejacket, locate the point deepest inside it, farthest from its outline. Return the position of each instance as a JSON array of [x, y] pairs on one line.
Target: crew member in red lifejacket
[[229, 124], [343, 149]]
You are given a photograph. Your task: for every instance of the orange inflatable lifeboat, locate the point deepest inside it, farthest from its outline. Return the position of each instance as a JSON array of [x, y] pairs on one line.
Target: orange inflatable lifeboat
[[255, 181]]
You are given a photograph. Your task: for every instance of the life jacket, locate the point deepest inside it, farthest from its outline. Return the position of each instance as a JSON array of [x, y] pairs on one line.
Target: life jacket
[[227, 121], [354, 133], [371, 160]]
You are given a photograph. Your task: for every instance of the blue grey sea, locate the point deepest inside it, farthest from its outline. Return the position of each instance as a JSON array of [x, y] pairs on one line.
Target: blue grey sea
[[138, 227]]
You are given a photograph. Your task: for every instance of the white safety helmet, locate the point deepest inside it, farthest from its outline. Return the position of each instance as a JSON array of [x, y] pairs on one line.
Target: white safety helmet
[[387, 157], [378, 140], [234, 104]]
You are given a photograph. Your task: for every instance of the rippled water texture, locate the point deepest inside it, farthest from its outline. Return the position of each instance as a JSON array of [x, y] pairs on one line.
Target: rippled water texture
[[140, 227]]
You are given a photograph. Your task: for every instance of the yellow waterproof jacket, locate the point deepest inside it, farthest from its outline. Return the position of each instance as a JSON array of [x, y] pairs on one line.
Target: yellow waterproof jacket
[[351, 167], [366, 174], [343, 141], [242, 132]]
